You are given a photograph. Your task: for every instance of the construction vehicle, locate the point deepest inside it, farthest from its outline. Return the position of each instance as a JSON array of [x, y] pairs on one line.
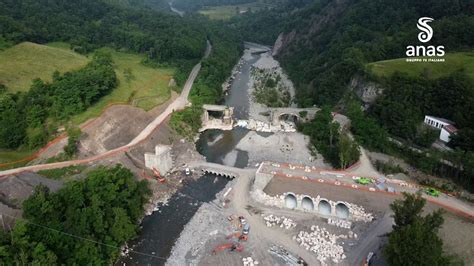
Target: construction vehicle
[[364, 181], [230, 246], [158, 176], [432, 192], [239, 236], [368, 260], [246, 229]]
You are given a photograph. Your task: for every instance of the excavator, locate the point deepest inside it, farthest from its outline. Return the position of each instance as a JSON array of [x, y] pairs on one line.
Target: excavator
[[230, 246], [158, 176]]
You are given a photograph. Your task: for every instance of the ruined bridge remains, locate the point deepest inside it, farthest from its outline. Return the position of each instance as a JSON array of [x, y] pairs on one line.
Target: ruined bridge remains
[[293, 114], [223, 121]]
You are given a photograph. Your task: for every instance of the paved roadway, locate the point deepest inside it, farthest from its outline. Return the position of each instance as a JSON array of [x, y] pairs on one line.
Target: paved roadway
[[180, 103]]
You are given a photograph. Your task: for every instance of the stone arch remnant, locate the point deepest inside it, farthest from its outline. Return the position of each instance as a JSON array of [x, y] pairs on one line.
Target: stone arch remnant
[[342, 211], [324, 207], [307, 204], [290, 201]]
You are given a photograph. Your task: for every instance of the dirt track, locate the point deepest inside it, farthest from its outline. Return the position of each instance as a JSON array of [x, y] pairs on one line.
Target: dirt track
[[180, 103]]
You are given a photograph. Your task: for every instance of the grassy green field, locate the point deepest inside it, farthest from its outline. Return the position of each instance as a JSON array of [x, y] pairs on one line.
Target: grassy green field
[[11, 156], [147, 87], [227, 12], [22, 63], [453, 62]]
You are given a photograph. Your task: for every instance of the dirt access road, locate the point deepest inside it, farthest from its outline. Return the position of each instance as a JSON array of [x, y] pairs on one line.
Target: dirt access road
[[180, 103]]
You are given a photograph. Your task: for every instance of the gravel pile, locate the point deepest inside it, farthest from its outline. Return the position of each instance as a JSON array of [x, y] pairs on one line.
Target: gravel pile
[[283, 222], [322, 243]]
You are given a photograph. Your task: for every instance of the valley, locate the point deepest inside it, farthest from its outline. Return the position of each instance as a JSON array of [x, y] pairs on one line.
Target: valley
[[235, 132]]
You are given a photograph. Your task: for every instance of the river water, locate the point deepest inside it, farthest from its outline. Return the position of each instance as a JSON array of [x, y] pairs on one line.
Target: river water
[[161, 229]]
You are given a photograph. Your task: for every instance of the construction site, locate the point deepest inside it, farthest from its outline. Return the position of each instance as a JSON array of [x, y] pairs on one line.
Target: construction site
[[274, 216], [248, 193]]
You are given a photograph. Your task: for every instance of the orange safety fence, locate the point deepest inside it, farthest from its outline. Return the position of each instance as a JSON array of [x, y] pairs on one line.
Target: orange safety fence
[[363, 188]]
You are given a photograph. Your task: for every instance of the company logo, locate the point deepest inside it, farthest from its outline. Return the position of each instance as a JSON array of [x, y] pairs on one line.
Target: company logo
[[426, 31], [434, 53]]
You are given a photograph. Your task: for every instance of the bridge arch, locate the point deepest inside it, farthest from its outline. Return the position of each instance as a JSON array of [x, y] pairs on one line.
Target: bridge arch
[[307, 203], [342, 210], [290, 201], [324, 207], [289, 117]]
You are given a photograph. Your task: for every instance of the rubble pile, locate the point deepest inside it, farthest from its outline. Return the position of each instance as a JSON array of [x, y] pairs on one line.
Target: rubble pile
[[322, 243], [266, 199], [283, 222], [261, 126], [249, 261], [340, 223], [359, 214]]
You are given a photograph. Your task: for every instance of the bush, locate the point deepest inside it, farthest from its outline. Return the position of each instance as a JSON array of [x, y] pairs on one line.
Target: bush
[[74, 134]]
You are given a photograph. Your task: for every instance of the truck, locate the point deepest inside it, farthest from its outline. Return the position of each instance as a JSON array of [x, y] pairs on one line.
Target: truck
[[246, 229]]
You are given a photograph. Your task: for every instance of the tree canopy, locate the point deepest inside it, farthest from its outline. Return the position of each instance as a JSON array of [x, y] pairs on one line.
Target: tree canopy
[[414, 240], [29, 118], [335, 146], [83, 223]]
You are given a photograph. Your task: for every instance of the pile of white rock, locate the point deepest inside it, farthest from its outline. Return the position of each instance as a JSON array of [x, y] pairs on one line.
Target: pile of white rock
[[266, 199], [283, 222], [340, 223], [359, 213], [249, 261], [322, 243]]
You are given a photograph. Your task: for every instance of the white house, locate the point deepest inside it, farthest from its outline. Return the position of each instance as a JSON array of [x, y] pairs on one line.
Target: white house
[[447, 132], [437, 122], [447, 127]]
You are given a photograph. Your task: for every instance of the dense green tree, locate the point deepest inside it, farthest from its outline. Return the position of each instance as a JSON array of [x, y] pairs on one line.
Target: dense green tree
[[414, 240], [464, 139], [73, 133], [366, 129], [65, 227], [336, 148], [348, 151], [24, 116], [406, 211], [12, 122], [415, 244], [92, 24], [3, 88]]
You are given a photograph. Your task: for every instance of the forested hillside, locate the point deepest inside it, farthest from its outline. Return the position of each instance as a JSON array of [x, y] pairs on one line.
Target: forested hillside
[[335, 39], [325, 44], [88, 25], [193, 5], [29, 118]]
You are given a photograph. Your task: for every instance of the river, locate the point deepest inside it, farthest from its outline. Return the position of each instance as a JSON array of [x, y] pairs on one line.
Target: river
[[162, 228]]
